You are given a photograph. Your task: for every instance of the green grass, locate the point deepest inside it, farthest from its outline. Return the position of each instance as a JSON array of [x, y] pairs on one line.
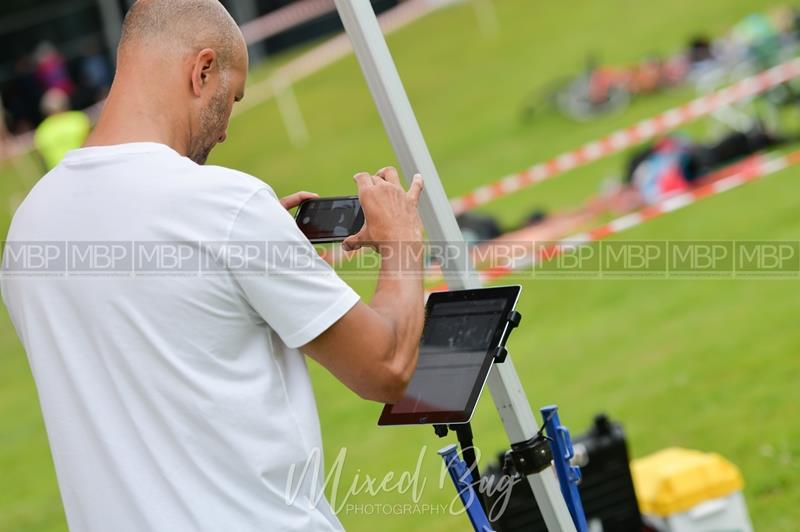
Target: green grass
[[705, 364]]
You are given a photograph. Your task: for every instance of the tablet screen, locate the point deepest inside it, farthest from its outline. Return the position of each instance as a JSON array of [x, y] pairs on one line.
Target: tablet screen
[[462, 330]]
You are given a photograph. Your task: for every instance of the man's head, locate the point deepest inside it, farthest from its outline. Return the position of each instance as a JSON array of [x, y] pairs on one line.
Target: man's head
[[190, 57]]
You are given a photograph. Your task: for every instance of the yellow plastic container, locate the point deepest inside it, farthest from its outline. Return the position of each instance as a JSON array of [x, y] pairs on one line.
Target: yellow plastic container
[[674, 480], [681, 489]]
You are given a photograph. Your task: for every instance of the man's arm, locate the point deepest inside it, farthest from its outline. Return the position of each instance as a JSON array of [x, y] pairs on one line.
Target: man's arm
[[373, 349]]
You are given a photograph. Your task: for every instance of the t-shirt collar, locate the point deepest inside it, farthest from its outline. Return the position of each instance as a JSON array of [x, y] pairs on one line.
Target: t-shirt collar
[[113, 150]]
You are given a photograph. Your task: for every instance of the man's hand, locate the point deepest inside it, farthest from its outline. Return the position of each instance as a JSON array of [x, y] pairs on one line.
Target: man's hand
[[390, 213], [373, 349], [293, 200]]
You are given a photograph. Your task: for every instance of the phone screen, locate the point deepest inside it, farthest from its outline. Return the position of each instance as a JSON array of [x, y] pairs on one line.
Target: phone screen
[[330, 219]]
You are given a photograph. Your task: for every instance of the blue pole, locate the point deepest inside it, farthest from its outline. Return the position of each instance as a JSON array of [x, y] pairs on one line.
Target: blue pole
[[462, 479], [568, 475]]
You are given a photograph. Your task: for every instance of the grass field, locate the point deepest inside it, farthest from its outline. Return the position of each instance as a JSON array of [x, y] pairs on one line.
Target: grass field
[[706, 364]]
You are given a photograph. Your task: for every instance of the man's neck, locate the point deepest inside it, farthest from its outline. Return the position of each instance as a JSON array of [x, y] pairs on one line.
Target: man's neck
[[124, 120]]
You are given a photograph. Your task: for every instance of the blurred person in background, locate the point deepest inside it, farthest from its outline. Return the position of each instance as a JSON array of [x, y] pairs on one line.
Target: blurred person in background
[[675, 163], [670, 165], [94, 77], [63, 130], [51, 69]]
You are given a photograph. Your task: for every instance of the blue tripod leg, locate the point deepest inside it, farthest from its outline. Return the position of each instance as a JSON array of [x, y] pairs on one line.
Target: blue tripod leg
[[568, 475], [462, 478]]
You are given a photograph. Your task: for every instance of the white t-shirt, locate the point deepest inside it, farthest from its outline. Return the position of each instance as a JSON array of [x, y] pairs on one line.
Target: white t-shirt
[[166, 357]]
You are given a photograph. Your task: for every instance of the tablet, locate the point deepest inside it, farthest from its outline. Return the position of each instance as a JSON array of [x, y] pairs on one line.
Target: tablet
[[462, 330]]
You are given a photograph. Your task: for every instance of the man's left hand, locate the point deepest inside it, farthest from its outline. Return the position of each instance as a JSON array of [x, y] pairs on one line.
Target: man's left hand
[[293, 200]]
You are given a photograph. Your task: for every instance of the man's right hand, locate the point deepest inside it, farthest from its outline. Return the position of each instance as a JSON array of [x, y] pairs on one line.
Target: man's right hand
[[390, 213], [373, 349]]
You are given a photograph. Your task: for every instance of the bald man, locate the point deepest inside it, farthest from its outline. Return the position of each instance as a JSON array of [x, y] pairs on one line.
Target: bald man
[[165, 336]]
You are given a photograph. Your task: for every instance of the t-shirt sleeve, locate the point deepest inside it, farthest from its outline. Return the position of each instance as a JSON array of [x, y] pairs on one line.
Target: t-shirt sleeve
[[280, 273]]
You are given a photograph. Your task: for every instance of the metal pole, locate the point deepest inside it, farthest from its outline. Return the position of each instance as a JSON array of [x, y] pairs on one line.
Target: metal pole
[[409, 145], [405, 136]]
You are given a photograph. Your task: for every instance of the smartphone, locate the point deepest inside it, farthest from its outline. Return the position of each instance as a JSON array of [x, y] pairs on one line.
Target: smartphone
[[330, 219]]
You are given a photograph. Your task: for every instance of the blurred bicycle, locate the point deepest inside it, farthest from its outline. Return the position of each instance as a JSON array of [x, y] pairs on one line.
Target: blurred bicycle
[[757, 42], [601, 89]]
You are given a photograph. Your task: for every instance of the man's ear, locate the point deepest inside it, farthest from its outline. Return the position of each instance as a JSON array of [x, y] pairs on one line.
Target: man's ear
[[205, 63]]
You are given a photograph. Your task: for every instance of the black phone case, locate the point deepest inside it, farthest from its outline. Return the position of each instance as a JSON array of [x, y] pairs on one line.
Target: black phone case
[[325, 240]]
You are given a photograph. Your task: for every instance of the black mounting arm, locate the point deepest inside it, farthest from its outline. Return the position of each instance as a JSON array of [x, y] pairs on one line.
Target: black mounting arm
[[500, 352]]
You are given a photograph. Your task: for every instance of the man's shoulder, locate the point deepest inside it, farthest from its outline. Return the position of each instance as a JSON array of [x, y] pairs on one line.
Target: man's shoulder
[[233, 182]]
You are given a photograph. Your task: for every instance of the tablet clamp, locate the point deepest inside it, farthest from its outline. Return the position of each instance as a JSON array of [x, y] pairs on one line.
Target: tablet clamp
[[500, 353]]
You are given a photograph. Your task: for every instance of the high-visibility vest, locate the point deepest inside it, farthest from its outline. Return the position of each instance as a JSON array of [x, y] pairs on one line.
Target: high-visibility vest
[[60, 133]]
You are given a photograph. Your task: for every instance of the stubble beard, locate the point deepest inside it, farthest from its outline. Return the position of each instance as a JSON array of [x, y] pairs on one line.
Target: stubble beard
[[212, 122]]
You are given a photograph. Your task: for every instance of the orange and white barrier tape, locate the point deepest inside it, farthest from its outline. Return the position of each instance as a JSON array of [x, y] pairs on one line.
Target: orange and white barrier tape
[[731, 177], [630, 136], [285, 18], [332, 50]]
